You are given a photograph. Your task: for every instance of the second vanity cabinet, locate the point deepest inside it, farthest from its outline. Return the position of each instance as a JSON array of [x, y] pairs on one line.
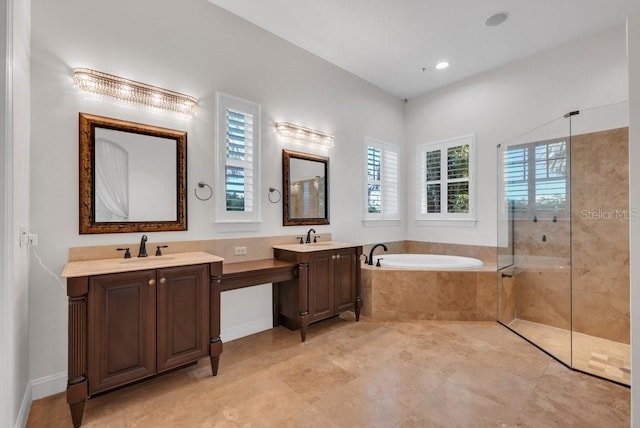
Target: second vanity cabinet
[[146, 322], [134, 318], [332, 283], [328, 282]]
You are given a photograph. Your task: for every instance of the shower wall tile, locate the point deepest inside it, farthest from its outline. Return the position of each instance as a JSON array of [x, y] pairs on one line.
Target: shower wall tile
[[600, 216], [543, 295], [597, 239], [528, 237]]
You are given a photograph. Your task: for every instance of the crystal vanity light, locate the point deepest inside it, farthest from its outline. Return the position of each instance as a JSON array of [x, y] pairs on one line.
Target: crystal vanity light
[[130, 91], [300, 134]]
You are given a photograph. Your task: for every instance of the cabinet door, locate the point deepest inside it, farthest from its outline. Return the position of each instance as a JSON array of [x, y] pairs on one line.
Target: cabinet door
[[321, 295], [122, 335], [344, 279], [183, 315]]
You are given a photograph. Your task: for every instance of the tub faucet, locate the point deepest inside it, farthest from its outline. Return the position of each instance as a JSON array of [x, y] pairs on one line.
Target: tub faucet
[[308, 241], [143, 247], [370, 260]]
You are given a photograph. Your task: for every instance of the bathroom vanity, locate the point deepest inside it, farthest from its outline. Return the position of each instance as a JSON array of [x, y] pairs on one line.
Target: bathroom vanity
[[134, 318], [328, 283]]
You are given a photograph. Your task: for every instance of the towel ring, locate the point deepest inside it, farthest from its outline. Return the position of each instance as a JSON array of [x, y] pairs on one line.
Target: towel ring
[[201, 185], [271, 190]]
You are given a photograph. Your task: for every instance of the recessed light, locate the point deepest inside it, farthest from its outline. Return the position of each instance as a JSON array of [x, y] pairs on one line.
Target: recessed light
[[496, 19], [442, 65]]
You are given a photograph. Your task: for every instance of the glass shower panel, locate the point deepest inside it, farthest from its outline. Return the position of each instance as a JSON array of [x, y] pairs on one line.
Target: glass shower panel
[[600, 242], [534, 237]]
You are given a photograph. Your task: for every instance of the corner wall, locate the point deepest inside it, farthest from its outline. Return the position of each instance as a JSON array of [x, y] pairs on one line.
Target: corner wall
[[633, 51], [14, 205], [503, 103]]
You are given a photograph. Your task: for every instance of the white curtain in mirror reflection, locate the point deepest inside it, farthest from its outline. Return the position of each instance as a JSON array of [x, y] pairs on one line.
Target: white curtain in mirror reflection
[[112, 181]]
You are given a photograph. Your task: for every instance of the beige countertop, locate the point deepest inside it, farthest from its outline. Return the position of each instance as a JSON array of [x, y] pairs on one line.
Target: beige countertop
[[103, 266], [316, 246]]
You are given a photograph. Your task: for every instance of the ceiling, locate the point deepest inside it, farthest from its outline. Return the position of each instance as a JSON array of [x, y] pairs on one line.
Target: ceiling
[[395, 44]]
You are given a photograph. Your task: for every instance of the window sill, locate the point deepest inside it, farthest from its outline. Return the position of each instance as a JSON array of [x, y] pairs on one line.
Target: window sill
[[381, 223], [453, 223]]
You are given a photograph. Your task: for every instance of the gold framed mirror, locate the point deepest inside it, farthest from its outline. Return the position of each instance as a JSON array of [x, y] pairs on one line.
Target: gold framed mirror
[[306, 188], [132, 177]]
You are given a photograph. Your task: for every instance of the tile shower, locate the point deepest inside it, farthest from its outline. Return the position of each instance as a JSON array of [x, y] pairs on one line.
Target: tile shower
[[563, 240]]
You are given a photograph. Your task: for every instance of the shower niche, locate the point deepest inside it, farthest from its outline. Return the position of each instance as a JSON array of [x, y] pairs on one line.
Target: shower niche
[[563, 239]]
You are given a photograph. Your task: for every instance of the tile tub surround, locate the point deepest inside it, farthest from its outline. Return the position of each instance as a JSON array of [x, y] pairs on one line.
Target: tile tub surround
[[402, 294]]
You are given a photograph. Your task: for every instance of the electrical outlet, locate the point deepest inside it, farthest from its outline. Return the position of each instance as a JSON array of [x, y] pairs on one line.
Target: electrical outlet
[[24, 236], [241, 251]]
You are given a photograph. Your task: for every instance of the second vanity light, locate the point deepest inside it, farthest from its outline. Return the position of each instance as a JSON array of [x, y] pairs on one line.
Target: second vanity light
[[301, 135]]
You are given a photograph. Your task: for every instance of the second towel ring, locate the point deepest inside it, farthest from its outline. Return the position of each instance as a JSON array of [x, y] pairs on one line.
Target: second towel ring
[[201, 185], [271, 190]]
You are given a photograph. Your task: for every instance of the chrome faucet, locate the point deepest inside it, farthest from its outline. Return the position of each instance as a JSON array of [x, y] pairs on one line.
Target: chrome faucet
[[143, 247], [308, 241], [370, 260]]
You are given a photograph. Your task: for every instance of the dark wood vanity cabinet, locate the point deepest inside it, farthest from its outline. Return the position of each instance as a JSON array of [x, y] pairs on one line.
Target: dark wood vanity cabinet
[[126, 326], [328, 283], [122, 329], [146, 322], [182, 315], [332, 283]]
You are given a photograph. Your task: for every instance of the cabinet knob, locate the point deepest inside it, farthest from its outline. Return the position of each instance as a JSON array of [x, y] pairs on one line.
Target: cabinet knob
[[151, 282], [163, 280], [337, 256]]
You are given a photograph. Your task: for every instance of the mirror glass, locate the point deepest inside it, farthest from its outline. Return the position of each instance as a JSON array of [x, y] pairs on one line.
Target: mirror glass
[[132, 177], [306, 188]]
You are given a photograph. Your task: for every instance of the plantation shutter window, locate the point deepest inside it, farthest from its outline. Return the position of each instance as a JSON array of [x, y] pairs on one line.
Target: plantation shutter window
[[238, 164], [445, 180], [536, 178], [381, 177]]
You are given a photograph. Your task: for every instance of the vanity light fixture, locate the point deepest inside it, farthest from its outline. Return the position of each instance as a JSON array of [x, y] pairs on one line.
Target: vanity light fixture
[[130, 91], [300, 134]]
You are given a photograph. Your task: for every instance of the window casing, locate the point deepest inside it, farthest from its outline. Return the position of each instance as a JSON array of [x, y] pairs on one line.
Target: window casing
[[381, 196], [445, 173], [238, 154]]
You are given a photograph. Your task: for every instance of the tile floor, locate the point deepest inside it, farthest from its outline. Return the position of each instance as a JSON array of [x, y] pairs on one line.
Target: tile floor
[[365, 374], [602, 357]]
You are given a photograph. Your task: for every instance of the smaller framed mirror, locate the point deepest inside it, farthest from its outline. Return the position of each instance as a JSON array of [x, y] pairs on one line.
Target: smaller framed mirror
[[306, 188], [132, 177]]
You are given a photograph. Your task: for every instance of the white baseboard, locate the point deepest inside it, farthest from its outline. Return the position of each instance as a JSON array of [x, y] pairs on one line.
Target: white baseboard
[[25, 407], [48, 385], [242, 330]]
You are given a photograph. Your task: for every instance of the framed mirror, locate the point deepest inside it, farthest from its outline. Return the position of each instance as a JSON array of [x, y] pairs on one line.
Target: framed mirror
[[132, 177], [306, 188]]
